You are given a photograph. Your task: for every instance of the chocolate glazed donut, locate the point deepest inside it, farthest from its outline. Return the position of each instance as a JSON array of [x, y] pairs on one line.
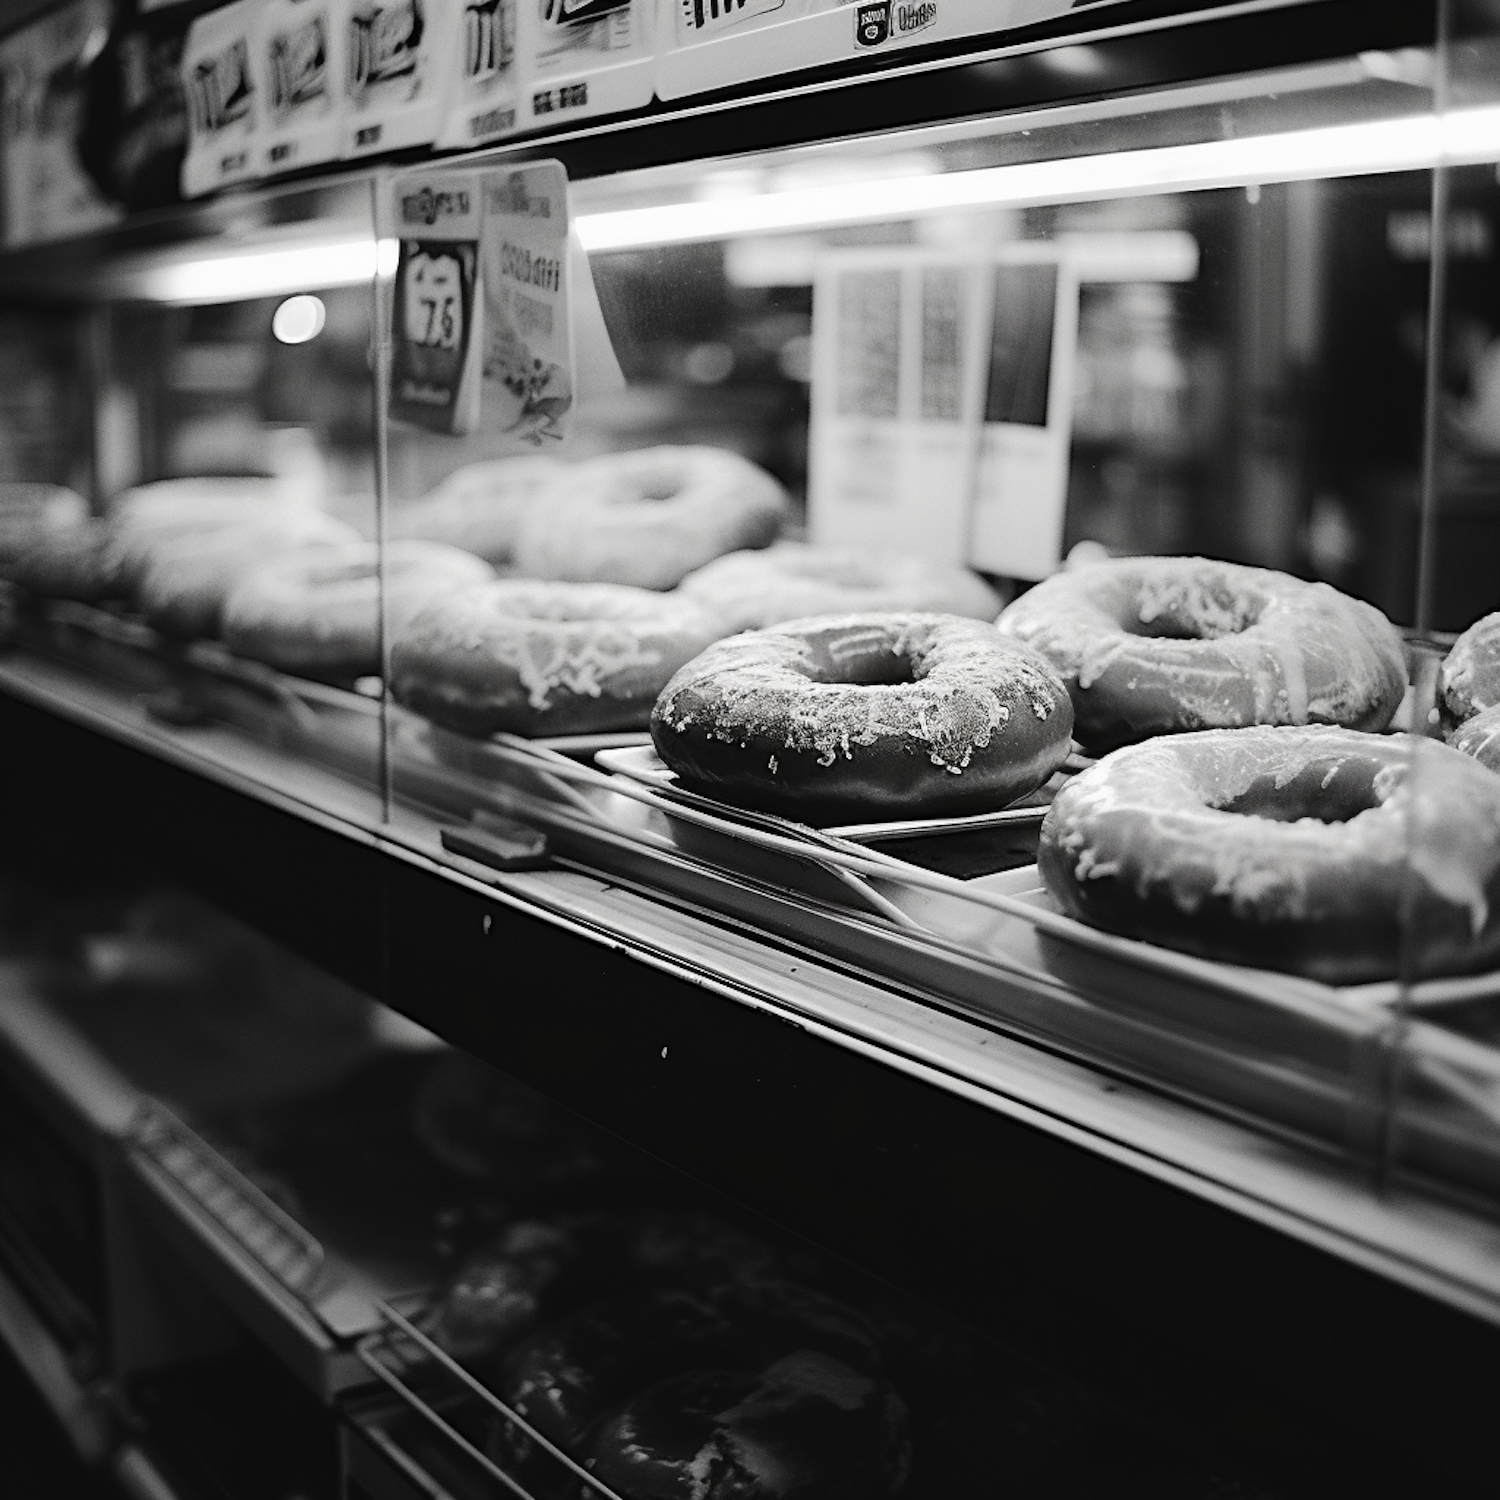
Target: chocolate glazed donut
[[1318, 851], [1160, 645], [879, 715], [807, 1427]]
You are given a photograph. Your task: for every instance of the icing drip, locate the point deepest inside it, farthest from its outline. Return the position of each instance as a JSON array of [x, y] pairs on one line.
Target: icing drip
[[1161, 645], [1162, 828], [511, 651]]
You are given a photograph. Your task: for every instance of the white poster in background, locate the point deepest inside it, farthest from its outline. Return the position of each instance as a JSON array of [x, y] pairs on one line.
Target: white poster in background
[[1020, 484], [942, 404], [895, 401]]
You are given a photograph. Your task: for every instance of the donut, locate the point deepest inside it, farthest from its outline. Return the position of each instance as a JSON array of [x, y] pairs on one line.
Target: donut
[[877, 715], [1159, 645], [69, 563], [578, 1369], [1301, 849], [649, 518], [316, 610], [31, 512], [807, 1426], [478, 507], [150, 517], [186, 579], [1479, 737], [793, 581], [544, 658], [1469, 678]]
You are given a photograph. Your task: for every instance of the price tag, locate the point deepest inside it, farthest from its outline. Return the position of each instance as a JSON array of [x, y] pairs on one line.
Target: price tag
[[437, 307]]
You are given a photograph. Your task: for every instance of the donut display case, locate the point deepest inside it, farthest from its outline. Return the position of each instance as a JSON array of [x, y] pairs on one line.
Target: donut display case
[[916, 640]]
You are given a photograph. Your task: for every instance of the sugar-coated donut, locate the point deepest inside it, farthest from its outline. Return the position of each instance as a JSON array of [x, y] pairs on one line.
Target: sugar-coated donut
[[1159, 645], [794, 581], [186, 578], [316, 610], [70, 563], [479, 507], [881, 716], [807, 1425], [1479, 737], [649, 518], [1469, 679], [1303, 849], [544, 658], [30, 512]]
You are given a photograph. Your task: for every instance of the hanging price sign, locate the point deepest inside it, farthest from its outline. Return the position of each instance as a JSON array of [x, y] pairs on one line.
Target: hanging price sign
[[437, 307]]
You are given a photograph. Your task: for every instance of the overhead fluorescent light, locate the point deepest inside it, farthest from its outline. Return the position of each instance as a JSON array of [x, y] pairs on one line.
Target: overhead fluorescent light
[[1404, 144], [248, 270]]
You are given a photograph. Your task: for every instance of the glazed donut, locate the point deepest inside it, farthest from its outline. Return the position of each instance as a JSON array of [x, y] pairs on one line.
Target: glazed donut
[[1479, 737], [479, 507], [1469, 679], [807, 1425], [182, 588], [649, 518], [1158, 645], [880, 716], [544, 658], [316, 610], [153, 516], [794, 581], [70, 563], [30, 512], [1286, 848]]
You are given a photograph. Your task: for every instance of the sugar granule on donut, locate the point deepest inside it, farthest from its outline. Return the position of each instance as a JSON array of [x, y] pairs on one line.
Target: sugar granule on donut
[[1161, 645], [544, 658], [882, 715], [1318, 850]]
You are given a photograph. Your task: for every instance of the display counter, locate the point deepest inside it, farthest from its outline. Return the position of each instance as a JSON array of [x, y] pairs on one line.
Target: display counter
[[423, 574]]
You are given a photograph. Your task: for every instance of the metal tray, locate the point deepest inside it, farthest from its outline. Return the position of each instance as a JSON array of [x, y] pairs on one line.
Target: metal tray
[[642, 764], [461, 1412]]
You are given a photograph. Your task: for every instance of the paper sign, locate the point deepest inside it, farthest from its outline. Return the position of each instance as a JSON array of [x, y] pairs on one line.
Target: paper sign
[[1021, 481], [437, 306], [300, 54], [484, 75], [714, 44], [223, 108], [896, 402], [528, 365]]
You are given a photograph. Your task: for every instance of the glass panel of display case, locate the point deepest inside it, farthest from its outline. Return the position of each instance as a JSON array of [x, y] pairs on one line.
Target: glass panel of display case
[[1444, 1078], [199, 390], [962, 369]]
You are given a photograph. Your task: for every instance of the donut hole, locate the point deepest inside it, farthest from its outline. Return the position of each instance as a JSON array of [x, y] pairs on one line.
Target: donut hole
[[1202, 612], [860, 659], [1330, 794]]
